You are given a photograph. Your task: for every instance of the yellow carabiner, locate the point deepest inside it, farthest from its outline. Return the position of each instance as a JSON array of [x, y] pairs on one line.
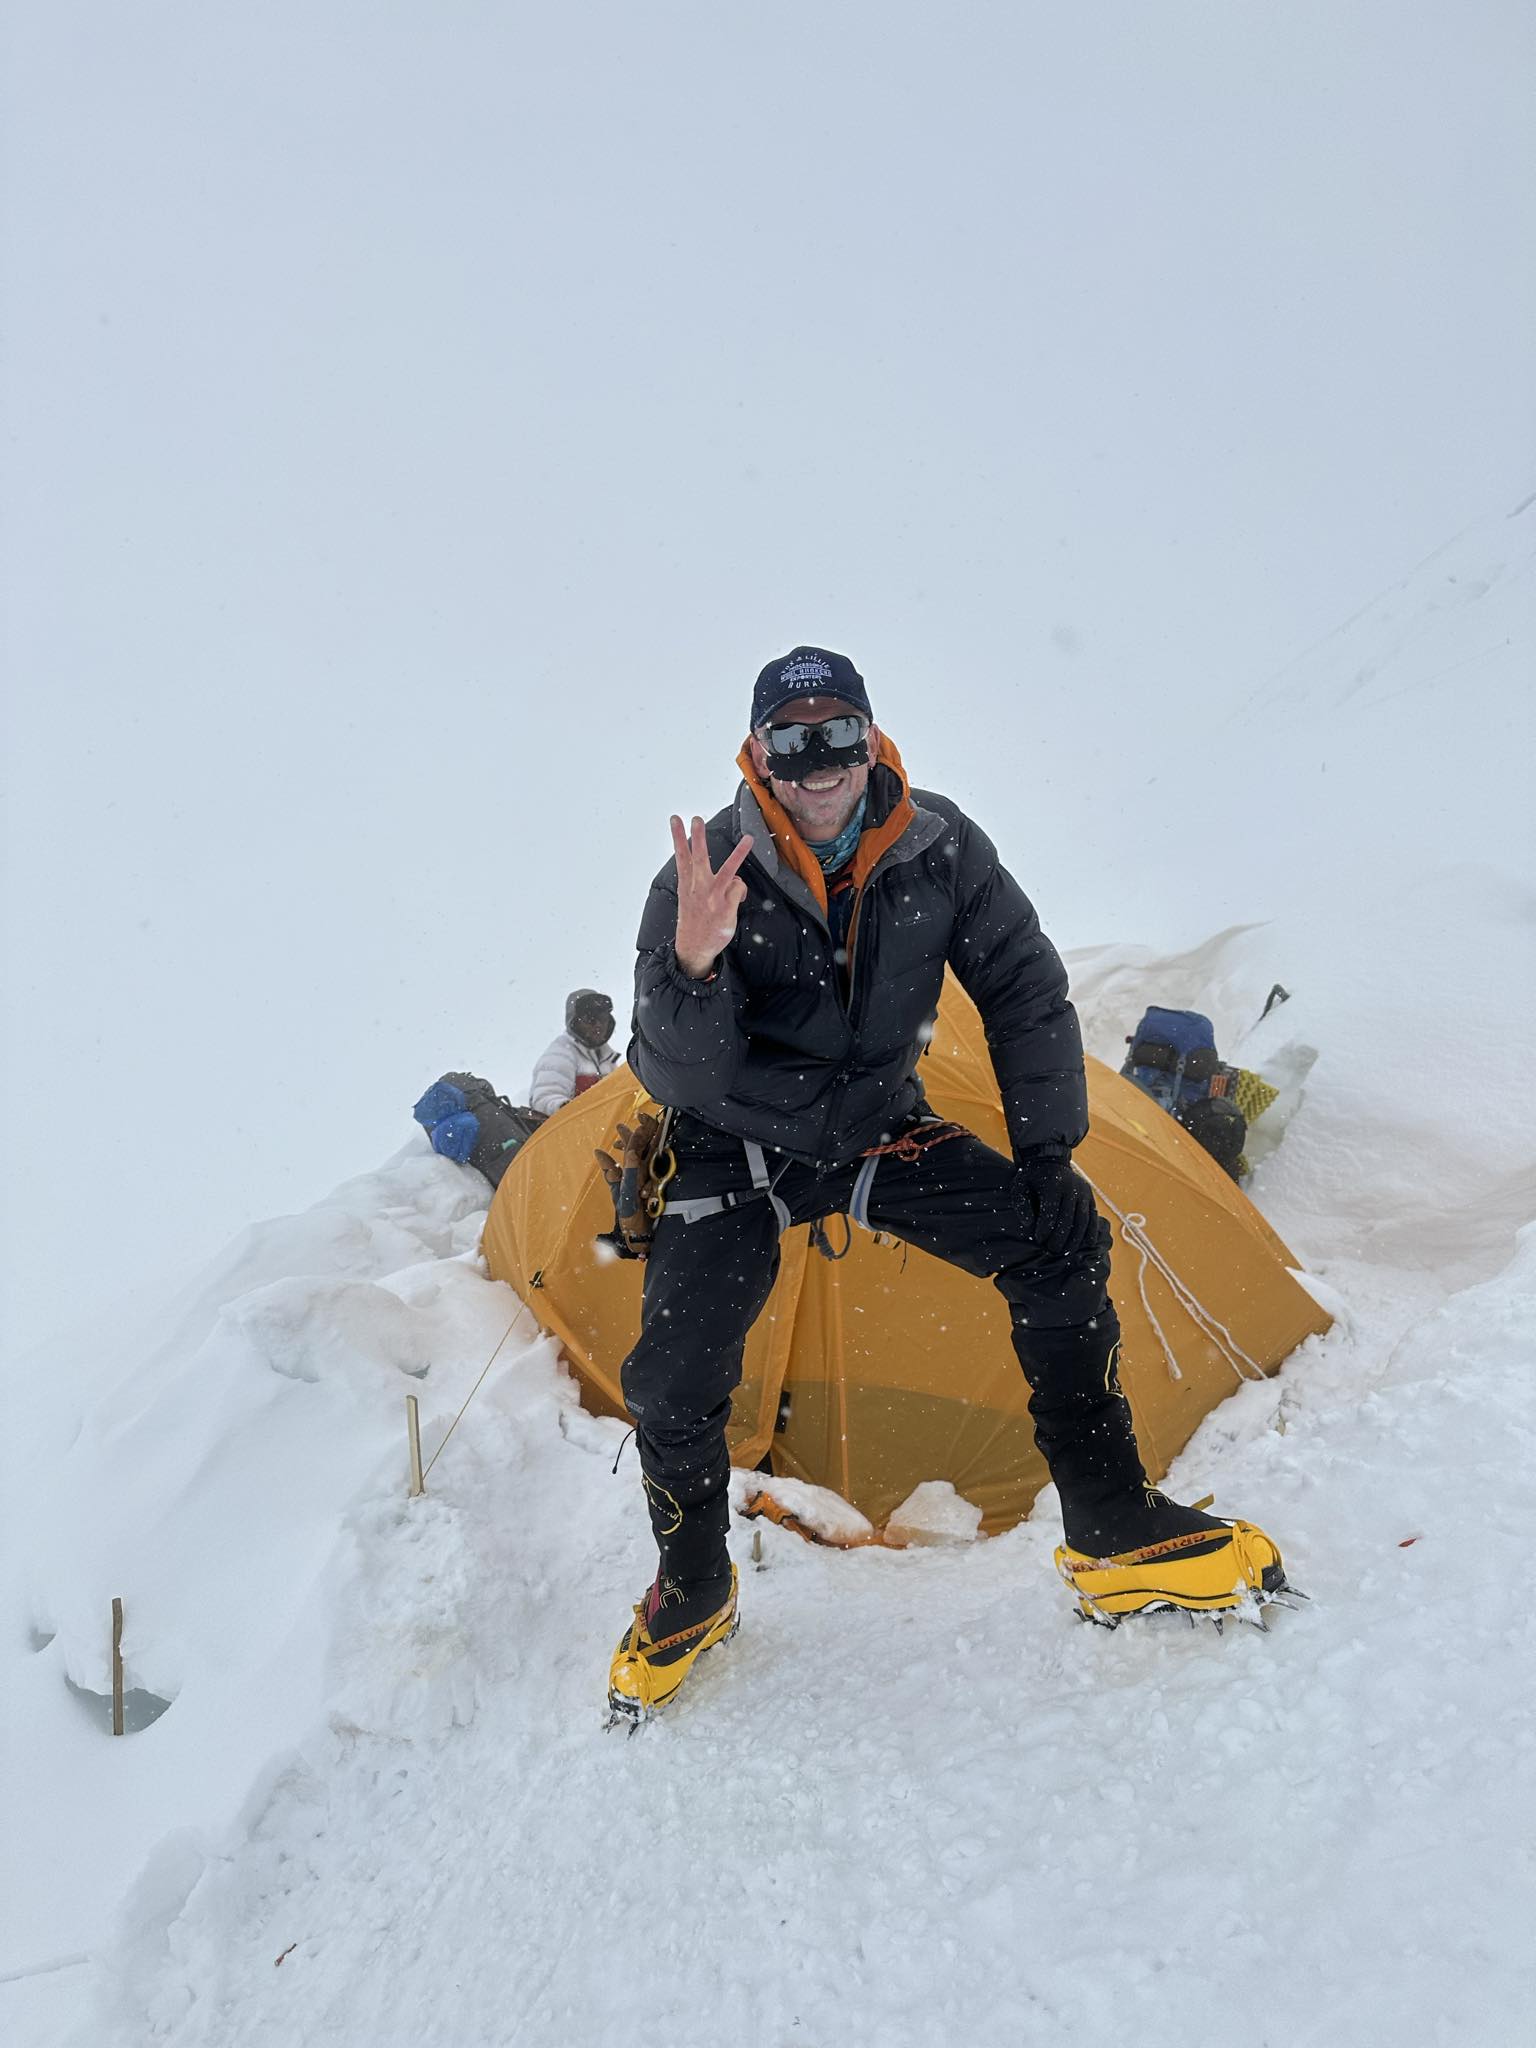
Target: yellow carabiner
[[657, 1200]]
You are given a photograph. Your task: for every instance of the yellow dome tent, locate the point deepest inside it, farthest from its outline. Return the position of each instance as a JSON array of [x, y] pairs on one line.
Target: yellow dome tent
[[886, 1368]]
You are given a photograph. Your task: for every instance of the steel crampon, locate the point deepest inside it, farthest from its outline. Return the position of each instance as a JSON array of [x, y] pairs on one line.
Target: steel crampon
[[1231, 1572], [1249, 1611]]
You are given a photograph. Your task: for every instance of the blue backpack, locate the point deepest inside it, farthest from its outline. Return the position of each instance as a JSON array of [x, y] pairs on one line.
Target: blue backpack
[[1173, 1058], [468, 1121]]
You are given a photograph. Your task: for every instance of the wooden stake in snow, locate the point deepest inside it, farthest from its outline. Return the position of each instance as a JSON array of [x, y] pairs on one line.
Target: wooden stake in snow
[[413, 1430], [117, 1667]]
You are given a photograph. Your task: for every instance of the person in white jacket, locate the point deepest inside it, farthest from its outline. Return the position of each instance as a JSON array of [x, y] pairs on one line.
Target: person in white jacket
[[581, 1054]]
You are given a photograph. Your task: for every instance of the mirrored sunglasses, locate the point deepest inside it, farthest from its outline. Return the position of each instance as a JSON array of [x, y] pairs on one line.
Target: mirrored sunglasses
[[844, 731]]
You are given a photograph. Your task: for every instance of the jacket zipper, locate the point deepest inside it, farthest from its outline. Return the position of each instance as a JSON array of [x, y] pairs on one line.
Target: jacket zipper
[[841, 1088], [834, 1107]]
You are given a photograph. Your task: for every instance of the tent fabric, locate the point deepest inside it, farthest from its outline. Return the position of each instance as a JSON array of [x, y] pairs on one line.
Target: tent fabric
[[888, 1367]]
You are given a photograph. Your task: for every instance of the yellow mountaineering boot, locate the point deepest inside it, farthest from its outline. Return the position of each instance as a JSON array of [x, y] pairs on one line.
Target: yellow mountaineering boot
[[1214, 1570], [1129, 1549], [663, 1643]]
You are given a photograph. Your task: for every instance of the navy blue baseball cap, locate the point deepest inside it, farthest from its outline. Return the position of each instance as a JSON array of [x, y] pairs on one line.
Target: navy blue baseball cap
[[808, 672]]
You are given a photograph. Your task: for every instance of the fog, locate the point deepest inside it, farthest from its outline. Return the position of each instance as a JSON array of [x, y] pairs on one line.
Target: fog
[[422, 423]]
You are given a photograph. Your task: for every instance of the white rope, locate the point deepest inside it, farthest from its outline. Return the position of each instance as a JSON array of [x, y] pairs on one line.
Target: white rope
[[1133, 1229], [1140, 1244]]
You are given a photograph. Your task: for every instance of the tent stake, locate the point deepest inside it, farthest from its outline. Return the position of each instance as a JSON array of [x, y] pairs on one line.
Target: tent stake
[[413, 1431], [117, 1667], [757, 1548]]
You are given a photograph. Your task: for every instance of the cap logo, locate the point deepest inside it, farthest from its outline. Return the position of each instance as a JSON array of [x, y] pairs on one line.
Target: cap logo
[[808, 670]]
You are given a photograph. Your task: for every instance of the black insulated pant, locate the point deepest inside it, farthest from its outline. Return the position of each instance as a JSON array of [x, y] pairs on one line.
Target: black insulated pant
[[707, 1281]]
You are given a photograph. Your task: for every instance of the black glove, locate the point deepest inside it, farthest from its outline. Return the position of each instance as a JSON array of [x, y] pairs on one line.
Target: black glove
[[1058, 1203]]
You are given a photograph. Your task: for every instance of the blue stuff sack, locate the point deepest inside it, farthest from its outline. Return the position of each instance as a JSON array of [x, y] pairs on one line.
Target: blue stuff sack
[[443, 1099], [455, 1137]]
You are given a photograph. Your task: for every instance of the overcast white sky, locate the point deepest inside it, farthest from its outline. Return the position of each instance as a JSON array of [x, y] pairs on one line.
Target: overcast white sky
[[422, 422]]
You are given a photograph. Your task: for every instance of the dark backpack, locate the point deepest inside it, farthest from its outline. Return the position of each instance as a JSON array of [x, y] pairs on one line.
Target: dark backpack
[[468, 1121], [1173, 1058]]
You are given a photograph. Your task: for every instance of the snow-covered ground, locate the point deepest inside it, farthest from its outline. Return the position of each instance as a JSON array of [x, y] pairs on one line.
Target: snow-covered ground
[[914, 1802]]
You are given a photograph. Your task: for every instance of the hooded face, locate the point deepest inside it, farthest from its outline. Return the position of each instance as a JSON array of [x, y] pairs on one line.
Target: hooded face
[[820, 803], [589, 1017]]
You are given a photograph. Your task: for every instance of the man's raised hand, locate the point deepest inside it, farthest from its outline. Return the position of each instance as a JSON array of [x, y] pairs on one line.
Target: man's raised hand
[[707, 902]]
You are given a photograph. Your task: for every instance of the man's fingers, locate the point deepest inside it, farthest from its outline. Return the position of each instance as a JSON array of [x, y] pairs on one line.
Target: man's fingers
[[735, 857], [691, 849]]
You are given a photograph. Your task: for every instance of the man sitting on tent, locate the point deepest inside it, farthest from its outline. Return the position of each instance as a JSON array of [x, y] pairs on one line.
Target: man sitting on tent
[[579, 1056], [790, 961]]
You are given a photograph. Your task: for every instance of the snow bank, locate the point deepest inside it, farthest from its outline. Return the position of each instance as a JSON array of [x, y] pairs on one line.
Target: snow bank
[[1374, 802], [206, 1486]]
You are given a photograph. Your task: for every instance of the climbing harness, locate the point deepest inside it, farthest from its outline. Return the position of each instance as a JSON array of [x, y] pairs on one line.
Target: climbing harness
[[693, 1209], [912, 1144], [909, 1146]]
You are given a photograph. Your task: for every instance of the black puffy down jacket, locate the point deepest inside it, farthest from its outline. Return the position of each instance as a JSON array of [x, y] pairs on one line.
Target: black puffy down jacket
[[770, 1049]]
